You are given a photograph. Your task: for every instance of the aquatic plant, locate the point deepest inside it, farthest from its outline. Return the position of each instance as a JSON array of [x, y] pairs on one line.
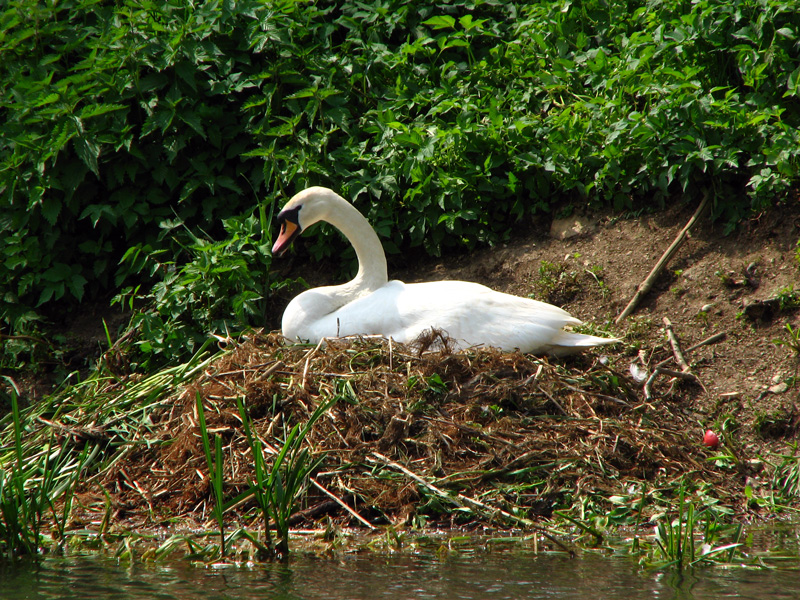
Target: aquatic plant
[[45, 447], [676, 544], [215, 466], [36, 490], [278, 489]]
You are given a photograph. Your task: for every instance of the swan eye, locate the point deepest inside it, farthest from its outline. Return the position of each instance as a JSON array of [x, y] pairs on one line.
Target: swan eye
[[289, 230]]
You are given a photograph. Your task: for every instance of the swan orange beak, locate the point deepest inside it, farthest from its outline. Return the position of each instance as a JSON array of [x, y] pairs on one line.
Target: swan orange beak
[[289, 231]]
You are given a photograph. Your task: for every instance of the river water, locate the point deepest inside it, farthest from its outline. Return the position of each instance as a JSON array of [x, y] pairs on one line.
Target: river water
[[486, 576]]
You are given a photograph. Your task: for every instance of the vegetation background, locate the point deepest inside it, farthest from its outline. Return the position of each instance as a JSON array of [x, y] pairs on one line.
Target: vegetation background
[[144, 145]]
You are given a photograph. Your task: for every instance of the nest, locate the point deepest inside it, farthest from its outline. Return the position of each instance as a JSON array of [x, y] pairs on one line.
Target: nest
[[412, 427]]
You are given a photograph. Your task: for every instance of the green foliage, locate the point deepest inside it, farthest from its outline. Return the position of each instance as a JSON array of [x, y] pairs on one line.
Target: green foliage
[[447, 123], [215, 471], [277, 489], [691, 527], [778, 422], [788, 298], [221, 288], [676, 544], [786, 477], [556, 283], [793, 341]]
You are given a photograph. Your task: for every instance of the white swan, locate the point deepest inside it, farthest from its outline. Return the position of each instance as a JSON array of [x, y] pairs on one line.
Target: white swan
[[470, 313]]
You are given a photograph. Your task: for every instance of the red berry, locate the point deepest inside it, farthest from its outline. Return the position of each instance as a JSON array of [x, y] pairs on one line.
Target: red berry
[[711, 439]]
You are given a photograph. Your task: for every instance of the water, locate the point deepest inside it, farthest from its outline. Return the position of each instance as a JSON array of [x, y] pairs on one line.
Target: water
[[490, 576]]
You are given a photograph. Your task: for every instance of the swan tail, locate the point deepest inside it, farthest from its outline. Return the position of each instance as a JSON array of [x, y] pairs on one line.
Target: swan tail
[[567, 342]]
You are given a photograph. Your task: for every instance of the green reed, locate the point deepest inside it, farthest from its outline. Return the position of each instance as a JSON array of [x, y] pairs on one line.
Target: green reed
[[36, 490], [277, 489], [215, 466]]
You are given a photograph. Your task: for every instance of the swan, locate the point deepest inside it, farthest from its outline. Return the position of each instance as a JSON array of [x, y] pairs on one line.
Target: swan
[[470, 313]]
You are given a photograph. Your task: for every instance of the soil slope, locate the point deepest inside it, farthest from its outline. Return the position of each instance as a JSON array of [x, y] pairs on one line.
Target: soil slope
[[742, 284]]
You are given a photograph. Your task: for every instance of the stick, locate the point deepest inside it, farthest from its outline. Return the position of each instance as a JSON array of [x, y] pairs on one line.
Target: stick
[[659, 370], [341, 503], [417, 478], [461, 500], [527, 522], [676, 346], [271, 370], [717, 337], [679, 374], [714, 339], [553, 400], [647, 284], [308, 357]]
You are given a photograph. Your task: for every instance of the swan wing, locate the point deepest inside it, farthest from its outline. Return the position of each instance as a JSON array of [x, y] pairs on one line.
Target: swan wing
[[470, 313], [473, 314]]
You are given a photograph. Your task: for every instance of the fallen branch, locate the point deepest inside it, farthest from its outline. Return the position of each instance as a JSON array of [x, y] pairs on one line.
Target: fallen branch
[[714, 339], [676, 346], [558, 542], [660, 370], [678, 357], [442, 494], [647, 284], [553, 400]]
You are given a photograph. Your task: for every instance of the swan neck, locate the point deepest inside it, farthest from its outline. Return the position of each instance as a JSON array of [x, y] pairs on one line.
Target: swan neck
[[372, 271]]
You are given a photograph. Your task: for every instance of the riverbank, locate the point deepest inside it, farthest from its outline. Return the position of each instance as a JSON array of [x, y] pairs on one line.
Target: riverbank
[[563, 451]]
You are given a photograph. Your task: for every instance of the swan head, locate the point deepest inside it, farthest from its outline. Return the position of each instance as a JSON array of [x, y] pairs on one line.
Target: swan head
[[300, 212]]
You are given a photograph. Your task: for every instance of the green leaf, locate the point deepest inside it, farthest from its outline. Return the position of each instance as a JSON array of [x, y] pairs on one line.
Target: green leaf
[[305, 93], [193, 121], [88, 153], [76, 285], [97, 211], [49, 99], [442, 22], [792, 83], [51, 208], [100, 109], [58, 272]]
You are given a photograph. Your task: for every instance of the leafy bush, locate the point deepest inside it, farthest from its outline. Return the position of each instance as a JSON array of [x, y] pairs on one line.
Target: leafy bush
[[220, 288], [117, 119], [445, 122]]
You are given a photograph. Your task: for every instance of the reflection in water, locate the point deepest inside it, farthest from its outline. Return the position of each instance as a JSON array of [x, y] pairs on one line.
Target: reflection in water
[[478, 576]]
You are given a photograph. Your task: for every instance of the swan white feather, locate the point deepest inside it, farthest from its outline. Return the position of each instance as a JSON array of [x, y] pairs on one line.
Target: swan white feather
[[470, 313]]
